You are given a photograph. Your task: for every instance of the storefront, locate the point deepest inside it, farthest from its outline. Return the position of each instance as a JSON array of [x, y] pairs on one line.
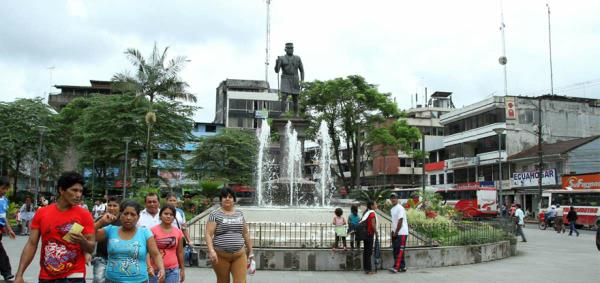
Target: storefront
[[526, 189]]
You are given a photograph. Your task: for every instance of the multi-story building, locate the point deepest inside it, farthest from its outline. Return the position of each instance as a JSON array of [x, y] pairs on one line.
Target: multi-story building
[[69, 92], [480, 135], [399, 169], [245, 103]]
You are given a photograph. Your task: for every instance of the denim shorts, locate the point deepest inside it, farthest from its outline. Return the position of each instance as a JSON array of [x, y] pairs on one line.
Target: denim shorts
[[171, 276]]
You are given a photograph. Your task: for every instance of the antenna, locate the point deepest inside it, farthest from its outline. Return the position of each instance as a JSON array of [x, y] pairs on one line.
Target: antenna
[[503, 60], [268, 40]]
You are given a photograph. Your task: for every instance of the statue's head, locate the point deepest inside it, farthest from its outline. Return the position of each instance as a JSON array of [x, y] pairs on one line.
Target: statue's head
[[289, 48]]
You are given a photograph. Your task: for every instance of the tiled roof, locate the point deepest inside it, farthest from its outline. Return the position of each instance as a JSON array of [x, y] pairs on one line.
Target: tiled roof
[[553, 148]]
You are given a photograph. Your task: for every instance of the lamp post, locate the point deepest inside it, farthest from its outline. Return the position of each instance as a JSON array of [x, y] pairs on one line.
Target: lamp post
[[499, 131], [124, 184], [41, 130]]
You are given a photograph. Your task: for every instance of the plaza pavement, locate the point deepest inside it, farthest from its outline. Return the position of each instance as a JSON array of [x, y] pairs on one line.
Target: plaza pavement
[[546, 257]]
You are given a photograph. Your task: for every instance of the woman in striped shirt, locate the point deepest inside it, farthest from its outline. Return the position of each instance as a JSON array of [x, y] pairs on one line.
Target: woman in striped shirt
[[226, 236]]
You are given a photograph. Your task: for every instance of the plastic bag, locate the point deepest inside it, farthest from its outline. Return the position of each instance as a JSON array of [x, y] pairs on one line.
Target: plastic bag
[[251, 267]]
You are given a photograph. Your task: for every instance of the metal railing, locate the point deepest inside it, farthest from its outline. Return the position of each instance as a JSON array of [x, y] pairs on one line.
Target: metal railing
[[321, 236]]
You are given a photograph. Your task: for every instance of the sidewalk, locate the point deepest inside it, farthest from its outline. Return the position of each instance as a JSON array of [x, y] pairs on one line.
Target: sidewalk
[[578, 262]]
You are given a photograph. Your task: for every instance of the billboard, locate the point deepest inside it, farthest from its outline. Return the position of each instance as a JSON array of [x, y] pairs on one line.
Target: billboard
[[531, 178], [583, 181]]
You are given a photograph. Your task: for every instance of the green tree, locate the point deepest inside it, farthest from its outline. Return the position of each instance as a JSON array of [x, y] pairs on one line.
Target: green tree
[[155, 78], [21, 124], [349, 106], [230, 155], [104, 120], [391, 136]]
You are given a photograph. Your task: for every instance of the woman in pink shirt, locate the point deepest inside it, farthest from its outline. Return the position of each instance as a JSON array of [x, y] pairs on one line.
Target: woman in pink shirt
[[170, 245]]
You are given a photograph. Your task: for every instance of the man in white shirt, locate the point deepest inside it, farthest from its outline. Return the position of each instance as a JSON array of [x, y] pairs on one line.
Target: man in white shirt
[[519, 214], [98, 209], [149, 217], [399, 234]]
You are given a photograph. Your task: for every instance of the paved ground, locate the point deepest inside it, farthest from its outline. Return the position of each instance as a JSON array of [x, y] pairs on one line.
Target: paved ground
[[547, 257]]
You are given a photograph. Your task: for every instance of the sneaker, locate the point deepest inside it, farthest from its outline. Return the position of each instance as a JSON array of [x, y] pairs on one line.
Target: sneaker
[[392, 270], [402, 269], [9, 277]]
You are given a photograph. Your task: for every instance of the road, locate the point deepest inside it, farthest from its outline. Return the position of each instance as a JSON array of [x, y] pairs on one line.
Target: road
[[546, 257]]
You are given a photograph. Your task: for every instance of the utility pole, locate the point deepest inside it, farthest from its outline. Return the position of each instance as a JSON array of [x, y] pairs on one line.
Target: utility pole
[[423, 162], [540, 154], [124, 185], [268, 41]]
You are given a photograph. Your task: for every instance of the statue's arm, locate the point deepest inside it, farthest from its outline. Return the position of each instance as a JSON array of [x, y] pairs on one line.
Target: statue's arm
[[277, 64], [301, 68]]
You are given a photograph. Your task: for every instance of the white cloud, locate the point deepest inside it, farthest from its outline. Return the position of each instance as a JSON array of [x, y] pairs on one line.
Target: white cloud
[[402, 46]]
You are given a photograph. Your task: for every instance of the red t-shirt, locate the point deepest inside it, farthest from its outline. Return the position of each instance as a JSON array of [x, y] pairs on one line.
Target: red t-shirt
[[60, 258]]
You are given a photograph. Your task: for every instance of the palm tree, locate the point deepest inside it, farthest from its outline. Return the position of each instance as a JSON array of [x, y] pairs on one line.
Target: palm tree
[[154, 78]]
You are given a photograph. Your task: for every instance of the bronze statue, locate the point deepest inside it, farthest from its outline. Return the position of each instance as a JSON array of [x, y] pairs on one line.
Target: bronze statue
[[290, 81]]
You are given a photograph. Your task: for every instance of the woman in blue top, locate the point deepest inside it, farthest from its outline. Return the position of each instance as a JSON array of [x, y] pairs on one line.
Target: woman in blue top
[[128, 247]]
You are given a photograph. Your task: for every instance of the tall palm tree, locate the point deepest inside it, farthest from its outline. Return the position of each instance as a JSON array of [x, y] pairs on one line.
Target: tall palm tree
[[154, 78]]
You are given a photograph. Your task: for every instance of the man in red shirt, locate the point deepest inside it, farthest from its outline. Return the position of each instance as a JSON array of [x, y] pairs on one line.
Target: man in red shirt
[[67, 232]]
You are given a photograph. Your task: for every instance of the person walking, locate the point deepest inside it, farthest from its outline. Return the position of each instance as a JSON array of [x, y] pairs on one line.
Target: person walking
[[179, 221], [149, 216], [169, 241], [353, 220], [110, 217], [67, 233], [559, 222], [520, 215], [369, 219], [5, 268], [572, 218], [27, 212], [399, 234], [128, 247], [340, 228], [226, 236], [98, 209]]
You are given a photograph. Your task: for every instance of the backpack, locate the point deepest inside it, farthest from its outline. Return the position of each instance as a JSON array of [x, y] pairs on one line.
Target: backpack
[[362, 230]]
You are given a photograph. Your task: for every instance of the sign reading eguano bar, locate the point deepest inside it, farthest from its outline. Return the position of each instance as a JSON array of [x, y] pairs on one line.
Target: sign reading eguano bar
[[530, 179]]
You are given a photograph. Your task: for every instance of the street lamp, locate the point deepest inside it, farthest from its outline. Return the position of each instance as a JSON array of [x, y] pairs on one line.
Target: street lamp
[[124, 184], [41, 130], [499, 131]]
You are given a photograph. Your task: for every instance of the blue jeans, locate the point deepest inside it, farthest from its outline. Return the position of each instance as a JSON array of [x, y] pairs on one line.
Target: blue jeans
[[99, 265], [171, 276], [572, 228]]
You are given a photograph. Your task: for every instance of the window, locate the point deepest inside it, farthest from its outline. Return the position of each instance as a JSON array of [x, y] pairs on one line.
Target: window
[[432, 180], [441, 179], [211, 128]]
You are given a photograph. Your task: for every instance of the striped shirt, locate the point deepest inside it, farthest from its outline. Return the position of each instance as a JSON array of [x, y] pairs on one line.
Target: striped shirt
[[228, 233]]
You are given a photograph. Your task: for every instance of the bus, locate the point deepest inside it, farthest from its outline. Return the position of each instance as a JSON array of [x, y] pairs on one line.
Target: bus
[[586, 203], [472, 202]]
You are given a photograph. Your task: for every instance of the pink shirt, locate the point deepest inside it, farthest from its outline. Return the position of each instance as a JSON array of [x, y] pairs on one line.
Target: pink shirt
[[167, 245]]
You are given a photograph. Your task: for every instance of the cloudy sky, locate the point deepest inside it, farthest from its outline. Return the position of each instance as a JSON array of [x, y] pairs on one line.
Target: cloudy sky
[[402, 46]]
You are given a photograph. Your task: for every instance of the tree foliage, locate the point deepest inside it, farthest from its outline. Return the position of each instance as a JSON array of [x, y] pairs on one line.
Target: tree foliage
[[21, 124], [230, 155], [154, 78], [350, 106]]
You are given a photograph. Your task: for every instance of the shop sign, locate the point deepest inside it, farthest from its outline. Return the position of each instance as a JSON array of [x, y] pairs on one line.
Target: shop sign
[[531, 178], [579, 182], [465, 162]]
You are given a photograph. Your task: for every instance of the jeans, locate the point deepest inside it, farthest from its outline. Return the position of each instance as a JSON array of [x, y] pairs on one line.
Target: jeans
[[63, 280], [171, 276], [367, 253], [398, 246], [99, 265], [5, 269], [572, 228]]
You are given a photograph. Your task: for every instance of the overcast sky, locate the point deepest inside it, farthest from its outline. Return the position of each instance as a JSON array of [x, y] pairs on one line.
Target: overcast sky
[[401, 46]]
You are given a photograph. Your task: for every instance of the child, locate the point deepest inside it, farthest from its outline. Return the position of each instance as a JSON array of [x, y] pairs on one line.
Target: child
[[353, 220], [27, 212], [340, 228], [5, 225]]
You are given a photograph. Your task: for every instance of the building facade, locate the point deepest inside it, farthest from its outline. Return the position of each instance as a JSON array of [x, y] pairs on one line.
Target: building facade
[[69, 92]]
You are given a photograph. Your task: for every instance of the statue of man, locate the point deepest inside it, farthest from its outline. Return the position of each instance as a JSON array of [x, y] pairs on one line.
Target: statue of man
[[290, 64]]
